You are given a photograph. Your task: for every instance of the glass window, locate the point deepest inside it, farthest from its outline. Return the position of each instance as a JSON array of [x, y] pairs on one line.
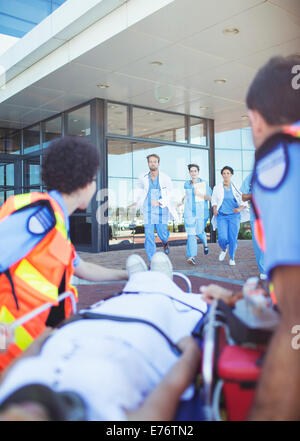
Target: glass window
[[247, 139], [173, 159], [248, 159], [201, 158], [230, 139], [117, 119], [10, 142], [198, 131], [31, 139], [81, 230], [119, 159], [32, 172], [229, 157], [158, 125], [7, 174], [79, 122], [51, 130]]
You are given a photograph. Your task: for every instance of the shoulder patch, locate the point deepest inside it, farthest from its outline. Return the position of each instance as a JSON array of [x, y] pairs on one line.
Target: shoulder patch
[[41, 222], [271, 169]]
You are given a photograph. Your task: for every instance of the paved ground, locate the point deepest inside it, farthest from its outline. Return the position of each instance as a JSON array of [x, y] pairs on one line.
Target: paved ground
[[208, 269]]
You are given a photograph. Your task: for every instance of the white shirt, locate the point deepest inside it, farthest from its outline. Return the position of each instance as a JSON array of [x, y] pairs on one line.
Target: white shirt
[[113, 365]]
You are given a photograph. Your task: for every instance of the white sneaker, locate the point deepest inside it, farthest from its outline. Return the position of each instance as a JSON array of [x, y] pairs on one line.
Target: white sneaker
[[222, 255], [231, 262], [135, 264], [160, 262], [263, 276]]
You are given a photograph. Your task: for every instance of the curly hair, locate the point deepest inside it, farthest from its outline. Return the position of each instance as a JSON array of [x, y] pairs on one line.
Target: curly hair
[[69, 163]]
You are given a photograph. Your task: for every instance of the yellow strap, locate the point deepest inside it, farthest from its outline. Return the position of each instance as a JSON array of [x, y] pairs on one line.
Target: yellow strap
[[21, 200], [22, 337], [36, 280], [60, 225]]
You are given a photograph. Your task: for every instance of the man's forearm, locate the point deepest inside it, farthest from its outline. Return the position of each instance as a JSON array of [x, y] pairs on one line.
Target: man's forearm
[[97, 273]]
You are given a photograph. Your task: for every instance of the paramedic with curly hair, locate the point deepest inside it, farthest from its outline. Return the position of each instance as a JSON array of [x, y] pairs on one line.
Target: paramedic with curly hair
[[37, 256]]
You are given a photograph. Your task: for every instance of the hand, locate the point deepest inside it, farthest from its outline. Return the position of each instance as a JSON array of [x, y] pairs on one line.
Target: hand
[[212, 292], [216, 212], [155, 203], [237, 210], [207, 197]]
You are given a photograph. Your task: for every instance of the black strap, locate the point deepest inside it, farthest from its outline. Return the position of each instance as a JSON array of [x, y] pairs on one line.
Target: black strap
[[8, 275], [94, 315]]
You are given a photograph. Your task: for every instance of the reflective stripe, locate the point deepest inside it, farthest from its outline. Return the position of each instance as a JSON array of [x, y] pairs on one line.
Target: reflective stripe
[[60, 225], [36, 280], [22, 337], [21, 200]]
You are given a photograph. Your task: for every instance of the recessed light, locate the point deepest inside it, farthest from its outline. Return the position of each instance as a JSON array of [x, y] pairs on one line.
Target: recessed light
[[204, 107], [156, 63], [150, 113], [220, 81], [245, 117], [231, 31], [163, 99], [103, 86], [75, 120]]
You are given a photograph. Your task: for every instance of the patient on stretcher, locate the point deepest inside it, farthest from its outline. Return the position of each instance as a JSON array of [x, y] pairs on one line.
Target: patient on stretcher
[[131, 356]]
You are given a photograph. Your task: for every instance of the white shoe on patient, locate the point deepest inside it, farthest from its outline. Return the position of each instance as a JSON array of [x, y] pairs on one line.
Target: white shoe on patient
[[135, 264], [160, 262]]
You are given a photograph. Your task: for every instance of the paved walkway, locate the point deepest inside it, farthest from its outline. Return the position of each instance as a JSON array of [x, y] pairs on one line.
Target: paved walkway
[[207, 270]]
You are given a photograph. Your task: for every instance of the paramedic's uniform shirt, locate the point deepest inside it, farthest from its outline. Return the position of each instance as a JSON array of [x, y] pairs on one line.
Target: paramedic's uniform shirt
[[279, 209], [16, 241]]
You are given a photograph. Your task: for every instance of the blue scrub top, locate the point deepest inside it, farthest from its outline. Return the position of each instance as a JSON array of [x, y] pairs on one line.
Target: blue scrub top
[[246, 189], [191, 207], [154, 215], [16, 241], [280, 213], [229, 202]]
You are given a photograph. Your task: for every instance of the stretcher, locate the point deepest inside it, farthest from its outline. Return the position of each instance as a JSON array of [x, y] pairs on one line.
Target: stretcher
[[234, 346]]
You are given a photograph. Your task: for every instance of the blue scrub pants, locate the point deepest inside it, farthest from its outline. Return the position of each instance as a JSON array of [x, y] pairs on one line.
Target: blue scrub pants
[[162, 232], [194, 230], [228, 230], [259, 255]]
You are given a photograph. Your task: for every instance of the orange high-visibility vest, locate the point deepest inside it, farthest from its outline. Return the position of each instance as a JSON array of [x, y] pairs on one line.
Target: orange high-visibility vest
[[35, 279]]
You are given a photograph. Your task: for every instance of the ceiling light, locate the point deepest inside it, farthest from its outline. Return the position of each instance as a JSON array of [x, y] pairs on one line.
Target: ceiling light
[[151, 113], [75, 120], [163, 99], [245, 117], [204, 107], [156, 63], [231, 31], [103, 86], [220, 81]]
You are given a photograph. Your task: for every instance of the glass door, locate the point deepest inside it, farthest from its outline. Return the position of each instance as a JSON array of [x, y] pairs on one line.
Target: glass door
[[10, 177]]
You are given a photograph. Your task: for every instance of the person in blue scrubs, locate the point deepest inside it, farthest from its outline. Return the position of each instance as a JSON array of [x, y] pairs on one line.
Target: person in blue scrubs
[[196, 213], [155, 216], [259, 255], [227, 208]]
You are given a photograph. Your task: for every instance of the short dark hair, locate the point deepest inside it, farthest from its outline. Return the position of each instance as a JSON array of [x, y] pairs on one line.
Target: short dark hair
[[155, 156], [69, 163], [227, 168], [272, 93], [193, 165]]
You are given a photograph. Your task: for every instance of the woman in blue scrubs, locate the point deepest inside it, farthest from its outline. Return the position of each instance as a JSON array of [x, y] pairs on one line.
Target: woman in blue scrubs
[[196, 212], [227, 205]]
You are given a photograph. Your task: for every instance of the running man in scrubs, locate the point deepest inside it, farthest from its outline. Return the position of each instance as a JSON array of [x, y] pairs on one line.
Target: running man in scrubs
[[153, 193]]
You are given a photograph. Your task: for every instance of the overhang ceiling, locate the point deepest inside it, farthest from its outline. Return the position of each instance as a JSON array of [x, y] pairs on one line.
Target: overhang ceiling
[[187, 37]]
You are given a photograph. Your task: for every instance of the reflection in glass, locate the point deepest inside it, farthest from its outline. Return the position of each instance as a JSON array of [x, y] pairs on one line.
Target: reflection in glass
[[32, 172], [198, 131], [120, 215], [117, 119], [52, 130], [158, 125], [248, 159], [31, 139], [119, 158], [79, 122], [10, 141], [201, 158]]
